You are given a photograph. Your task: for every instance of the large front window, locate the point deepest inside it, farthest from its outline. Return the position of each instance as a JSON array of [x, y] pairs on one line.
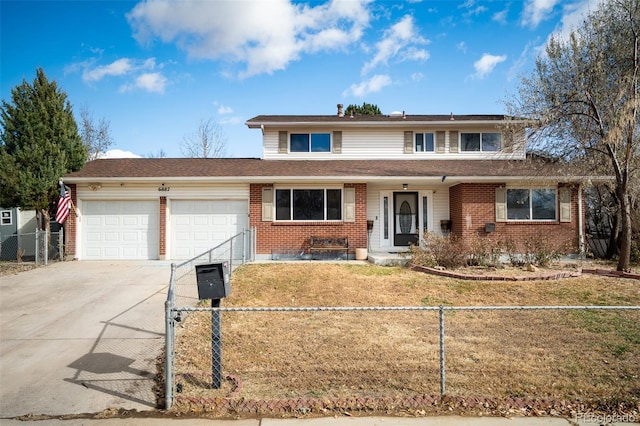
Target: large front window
[[531, 204], [310, 142], [308, 204], [485, 142]]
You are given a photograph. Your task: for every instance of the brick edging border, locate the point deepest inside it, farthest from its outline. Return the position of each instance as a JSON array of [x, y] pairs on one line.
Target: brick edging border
[[542, 277]]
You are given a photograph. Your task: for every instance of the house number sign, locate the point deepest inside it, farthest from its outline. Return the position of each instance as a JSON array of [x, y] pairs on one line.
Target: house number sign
[[163, 188]]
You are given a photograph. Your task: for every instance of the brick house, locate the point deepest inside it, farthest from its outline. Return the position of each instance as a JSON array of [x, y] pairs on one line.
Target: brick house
[[382, 181]]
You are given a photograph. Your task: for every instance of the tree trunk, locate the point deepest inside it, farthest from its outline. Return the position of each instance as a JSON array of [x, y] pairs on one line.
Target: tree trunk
[[612, 248], [624, 262]]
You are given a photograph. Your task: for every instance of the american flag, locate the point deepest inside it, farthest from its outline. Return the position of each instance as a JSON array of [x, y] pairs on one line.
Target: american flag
[[64, 204]]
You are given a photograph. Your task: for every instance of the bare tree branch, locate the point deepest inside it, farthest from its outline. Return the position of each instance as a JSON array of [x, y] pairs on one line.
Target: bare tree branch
[[583, 97], [95, 136], [209, 141]]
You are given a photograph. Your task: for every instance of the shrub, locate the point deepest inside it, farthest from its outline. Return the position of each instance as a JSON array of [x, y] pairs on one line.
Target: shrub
[[511, 248], [535, 250], [436, 250], [484, 252]]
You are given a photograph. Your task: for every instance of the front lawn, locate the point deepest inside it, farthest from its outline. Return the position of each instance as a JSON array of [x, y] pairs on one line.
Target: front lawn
[[590, 357]]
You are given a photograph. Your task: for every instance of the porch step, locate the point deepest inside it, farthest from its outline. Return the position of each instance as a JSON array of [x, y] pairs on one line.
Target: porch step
[[389, 259]]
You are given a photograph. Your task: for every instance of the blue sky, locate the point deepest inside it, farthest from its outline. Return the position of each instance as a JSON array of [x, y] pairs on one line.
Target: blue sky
[[156, 69]]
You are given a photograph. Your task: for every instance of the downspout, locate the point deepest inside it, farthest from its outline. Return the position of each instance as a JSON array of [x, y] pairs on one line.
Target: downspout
[[580, 222]]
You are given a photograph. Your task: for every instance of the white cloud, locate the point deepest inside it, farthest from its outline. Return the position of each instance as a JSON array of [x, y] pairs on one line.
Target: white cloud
[[150, 82], [472, 9], [128, 68], [527, 56], [117, 68], [374, 84], [501, 16], [264, 35], [417, 76], [118, 153], [399, 42], [573, 14], [223, 109], [462, 46], [231, 120], [536, 11], [486, 64]]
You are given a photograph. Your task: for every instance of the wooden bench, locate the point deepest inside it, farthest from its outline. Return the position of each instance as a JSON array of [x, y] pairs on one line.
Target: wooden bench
[[328, 245]]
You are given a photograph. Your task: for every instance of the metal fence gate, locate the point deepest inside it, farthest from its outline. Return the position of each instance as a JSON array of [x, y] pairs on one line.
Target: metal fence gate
[[39, 247], [182, 293]]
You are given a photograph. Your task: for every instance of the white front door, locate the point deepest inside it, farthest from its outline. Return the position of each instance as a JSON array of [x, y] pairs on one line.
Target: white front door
[[404, 217]]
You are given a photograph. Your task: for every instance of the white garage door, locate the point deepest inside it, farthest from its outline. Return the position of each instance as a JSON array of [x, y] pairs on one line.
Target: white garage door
[[120, 229], [197, 225]]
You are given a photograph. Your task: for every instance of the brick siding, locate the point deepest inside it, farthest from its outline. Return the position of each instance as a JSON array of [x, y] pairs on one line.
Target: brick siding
[[70, 225], [275, 236], [472, 205]]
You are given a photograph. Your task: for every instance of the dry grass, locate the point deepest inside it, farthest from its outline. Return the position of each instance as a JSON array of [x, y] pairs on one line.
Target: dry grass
[[578, 355], [12, 268]]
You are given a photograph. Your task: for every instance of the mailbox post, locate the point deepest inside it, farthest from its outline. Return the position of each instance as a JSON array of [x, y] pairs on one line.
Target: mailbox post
[[213, 283]]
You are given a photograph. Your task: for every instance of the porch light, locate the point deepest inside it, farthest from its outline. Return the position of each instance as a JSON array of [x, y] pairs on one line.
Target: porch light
[[405, 186]]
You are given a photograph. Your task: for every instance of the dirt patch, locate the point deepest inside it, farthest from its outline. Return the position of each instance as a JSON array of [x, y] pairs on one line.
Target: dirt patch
[[12, 268]]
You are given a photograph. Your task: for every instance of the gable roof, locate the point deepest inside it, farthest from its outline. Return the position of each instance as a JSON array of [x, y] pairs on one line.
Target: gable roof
[[258, 170], [369, 120]]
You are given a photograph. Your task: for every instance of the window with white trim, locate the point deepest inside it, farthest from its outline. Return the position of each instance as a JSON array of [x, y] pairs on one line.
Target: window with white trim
[[532, 204], [310, 142], [480, 142], [308, 204], [424, 142]]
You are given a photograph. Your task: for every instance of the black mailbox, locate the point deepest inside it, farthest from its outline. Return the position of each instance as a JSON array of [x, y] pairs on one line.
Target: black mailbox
[[213, 280]]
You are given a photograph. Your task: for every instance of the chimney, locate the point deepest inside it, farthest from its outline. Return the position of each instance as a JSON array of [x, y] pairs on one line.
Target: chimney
[[340, 112]]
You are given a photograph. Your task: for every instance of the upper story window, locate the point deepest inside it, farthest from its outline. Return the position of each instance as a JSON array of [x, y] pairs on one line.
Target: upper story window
[[308, 204], [485, 142], [310, 142], [424, 142], [531, 204]]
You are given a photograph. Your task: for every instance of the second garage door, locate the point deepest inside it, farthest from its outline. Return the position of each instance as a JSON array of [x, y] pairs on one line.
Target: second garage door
[[198, 225]]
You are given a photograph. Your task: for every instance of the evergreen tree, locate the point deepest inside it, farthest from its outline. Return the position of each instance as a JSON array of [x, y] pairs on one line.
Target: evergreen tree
[[39, 143], [364, 109]]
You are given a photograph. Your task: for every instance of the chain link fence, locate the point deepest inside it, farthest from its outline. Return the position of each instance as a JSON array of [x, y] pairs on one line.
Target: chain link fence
[[183, 293], [279, 361], [39, 247]]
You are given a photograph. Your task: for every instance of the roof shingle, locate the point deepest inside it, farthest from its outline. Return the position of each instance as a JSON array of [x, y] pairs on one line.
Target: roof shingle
[[136, 168]]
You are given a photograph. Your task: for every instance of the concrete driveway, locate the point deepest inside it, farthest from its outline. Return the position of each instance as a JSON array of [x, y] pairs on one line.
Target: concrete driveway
[[81, 337]]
